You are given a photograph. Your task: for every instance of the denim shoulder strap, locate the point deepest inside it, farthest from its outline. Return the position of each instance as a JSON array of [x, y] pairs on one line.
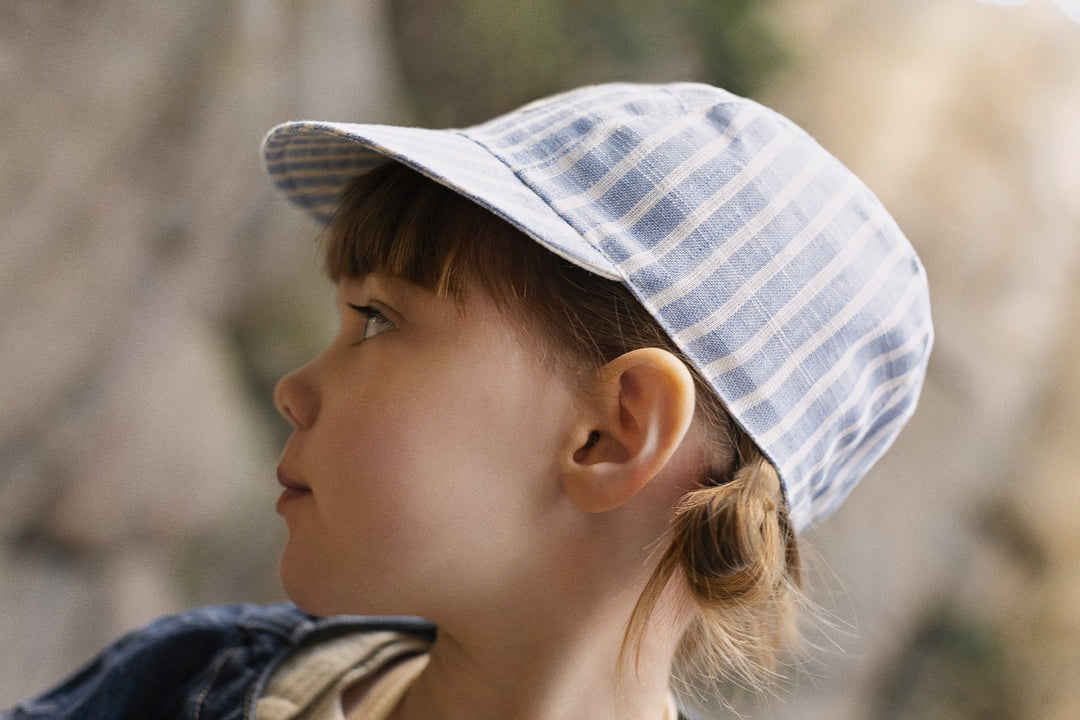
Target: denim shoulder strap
[[207, 664]]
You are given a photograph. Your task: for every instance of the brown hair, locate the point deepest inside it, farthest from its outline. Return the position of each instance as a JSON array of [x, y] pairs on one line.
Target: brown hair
[[730, 540]]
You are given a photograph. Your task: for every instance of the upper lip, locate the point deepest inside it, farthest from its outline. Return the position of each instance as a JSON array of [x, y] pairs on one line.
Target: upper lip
[[287, 481]]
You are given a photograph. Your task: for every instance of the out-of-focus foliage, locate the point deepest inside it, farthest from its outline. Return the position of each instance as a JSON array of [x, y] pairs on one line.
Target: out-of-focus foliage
[[467, 60]]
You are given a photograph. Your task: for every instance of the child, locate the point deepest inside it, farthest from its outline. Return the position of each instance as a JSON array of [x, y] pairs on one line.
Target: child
[[599, 361]]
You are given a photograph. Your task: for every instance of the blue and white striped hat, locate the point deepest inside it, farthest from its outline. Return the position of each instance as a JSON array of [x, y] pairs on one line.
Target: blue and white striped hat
[[770, 264]]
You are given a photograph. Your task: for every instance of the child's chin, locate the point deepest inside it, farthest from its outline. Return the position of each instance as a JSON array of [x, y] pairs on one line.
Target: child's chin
[[305, 591], [312, 596]]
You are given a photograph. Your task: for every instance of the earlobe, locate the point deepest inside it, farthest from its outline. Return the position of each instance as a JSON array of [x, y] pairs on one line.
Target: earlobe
[[634, 417]]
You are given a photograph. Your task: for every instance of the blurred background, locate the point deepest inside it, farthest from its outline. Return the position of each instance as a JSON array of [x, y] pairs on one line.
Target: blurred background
[[152, 289]]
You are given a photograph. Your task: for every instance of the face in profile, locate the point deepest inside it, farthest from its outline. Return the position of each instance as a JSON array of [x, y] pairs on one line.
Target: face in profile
[[423, 458]]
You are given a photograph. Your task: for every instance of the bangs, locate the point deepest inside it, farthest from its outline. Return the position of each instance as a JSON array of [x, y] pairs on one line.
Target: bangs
[[397, 223]]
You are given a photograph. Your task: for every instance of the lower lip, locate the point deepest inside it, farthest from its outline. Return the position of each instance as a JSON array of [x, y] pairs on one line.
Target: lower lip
[[289, 495]]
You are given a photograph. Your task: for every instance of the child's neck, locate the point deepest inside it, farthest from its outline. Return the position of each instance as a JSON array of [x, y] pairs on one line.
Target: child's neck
[[541, 673]]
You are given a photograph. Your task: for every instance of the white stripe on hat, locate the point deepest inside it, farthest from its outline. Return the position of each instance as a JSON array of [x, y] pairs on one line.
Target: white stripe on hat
[[846, 468], [845, 437], [527, 116], [855, 395], [693, 220], [647, 144], [866, 296], [798, 302], [863, 443], [753, 284], [747, 232]]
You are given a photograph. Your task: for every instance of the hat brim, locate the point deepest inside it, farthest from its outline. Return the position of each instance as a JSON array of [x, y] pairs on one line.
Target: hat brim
[[311, 163]]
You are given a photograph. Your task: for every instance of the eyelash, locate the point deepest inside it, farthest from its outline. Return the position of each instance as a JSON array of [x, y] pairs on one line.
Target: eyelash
[[372, 317]]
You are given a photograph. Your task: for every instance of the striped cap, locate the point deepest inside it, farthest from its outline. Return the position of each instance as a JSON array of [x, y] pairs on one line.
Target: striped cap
[[769, 263]]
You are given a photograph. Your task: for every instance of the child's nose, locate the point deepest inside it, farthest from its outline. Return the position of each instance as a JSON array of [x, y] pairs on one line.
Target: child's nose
[[296, 399]]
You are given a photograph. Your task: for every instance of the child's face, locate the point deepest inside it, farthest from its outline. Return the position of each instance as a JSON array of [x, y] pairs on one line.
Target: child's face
[[424, 458]]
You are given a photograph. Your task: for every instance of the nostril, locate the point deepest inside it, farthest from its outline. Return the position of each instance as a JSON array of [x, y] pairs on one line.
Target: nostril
[[281, 401], [294, 399], [287, 413]]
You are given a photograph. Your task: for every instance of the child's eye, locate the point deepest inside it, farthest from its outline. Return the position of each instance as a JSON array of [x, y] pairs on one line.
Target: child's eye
[[374, 321]]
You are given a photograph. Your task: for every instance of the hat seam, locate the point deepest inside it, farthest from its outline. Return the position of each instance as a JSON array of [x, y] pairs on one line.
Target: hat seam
[[546, 200]]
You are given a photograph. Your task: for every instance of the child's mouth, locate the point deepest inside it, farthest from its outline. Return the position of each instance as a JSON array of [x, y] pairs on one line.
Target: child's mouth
[[293, 489], [290, 494]]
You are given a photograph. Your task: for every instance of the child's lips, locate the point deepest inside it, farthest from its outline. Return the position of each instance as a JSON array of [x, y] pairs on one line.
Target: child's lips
[[293, 489], [288, 483]]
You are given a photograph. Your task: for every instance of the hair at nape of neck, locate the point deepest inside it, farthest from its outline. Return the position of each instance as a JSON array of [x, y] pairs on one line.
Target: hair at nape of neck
[[734, 549]]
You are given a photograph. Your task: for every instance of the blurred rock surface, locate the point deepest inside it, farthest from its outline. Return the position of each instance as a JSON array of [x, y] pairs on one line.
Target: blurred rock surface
[[140, 243], [963, 118], [151, 288]]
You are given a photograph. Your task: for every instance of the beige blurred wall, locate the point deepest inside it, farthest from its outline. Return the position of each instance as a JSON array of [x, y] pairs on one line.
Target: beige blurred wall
[[965, 119]]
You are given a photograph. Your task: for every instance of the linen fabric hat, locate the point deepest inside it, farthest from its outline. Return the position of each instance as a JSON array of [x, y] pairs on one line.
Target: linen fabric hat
[[775, 270]]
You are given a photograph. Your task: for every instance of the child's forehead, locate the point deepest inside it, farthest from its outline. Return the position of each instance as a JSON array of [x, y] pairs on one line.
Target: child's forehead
[[368, 282]]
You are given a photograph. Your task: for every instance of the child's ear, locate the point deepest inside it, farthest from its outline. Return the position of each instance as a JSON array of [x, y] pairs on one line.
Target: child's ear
[[633, 418]]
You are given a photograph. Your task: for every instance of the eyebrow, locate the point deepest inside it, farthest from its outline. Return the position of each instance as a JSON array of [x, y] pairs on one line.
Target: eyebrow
[[379, 295]]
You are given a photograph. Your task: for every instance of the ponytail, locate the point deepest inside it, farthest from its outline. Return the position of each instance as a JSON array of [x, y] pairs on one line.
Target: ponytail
[[733, 549]]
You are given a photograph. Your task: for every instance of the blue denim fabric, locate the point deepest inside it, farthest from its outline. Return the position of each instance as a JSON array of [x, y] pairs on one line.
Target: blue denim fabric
[[206, 664]]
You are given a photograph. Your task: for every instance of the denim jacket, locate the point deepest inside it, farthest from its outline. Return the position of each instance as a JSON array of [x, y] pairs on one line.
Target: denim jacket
[[206, 664]]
